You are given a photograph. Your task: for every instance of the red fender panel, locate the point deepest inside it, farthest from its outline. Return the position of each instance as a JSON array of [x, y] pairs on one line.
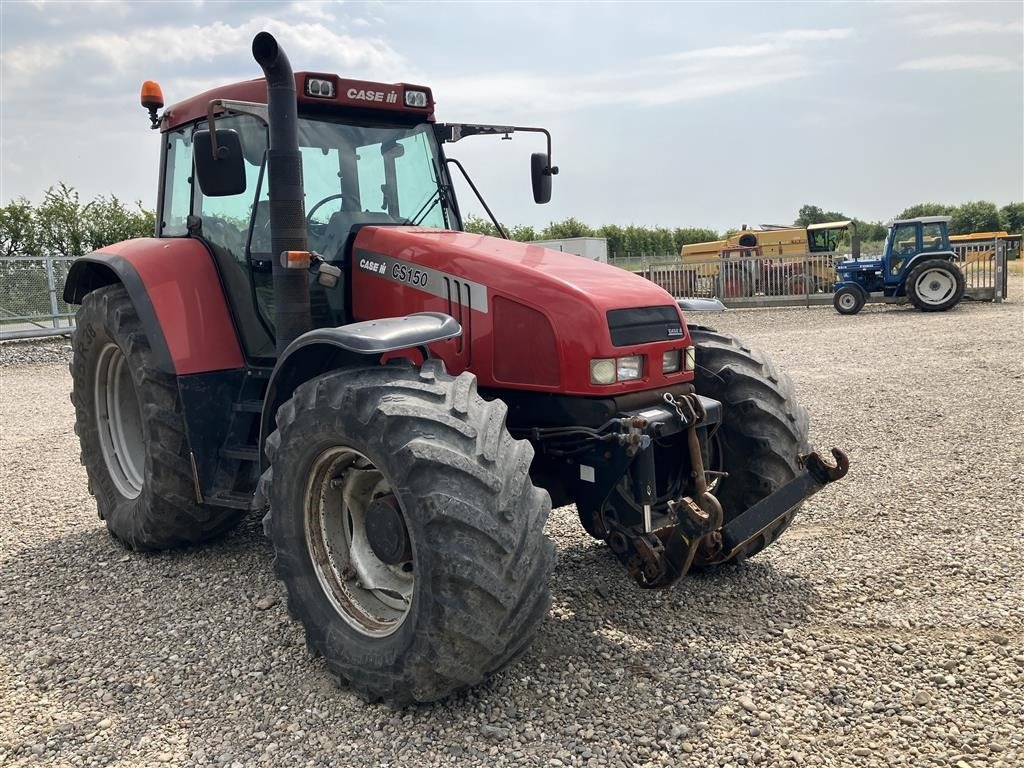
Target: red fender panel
[[181, 282]]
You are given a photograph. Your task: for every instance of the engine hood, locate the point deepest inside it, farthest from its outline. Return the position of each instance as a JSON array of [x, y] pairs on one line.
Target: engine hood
[[553, 301], [499, 263]]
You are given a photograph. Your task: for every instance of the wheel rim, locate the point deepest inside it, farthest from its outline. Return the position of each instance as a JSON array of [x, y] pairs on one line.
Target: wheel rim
[[372, 596], [935, 286], [847, 300], [119, 422]]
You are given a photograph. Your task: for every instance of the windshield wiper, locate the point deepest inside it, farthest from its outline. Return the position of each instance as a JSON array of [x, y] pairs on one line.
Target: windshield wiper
[[429, 205]]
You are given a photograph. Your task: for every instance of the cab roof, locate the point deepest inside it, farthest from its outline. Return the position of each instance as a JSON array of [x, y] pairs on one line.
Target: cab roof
[[924, 220], [358, 94], [829, 225]]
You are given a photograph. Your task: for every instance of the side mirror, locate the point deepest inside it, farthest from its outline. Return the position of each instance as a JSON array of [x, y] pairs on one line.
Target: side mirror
[[220, 173], [541, 172]]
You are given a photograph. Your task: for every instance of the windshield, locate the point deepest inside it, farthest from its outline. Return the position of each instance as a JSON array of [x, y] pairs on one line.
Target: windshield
[[354, 174]]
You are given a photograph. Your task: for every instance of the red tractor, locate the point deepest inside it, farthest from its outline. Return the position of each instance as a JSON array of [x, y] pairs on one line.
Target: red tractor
[[310, 335]]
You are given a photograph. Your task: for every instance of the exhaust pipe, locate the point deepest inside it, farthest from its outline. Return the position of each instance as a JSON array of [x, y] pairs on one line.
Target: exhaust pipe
[[284, 181]]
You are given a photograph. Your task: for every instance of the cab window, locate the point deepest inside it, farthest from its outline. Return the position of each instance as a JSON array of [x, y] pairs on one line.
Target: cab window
[[932, 238], [177, 192]]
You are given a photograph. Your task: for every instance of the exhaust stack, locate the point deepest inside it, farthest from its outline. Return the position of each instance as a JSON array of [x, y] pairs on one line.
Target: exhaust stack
[[284, 181]]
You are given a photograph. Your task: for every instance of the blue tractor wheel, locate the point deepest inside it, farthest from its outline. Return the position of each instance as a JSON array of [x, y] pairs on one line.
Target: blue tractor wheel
[[849, 299]]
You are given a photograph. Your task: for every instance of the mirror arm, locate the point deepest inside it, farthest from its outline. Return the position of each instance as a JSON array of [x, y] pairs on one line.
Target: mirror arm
[[259, 111], [497, 226], [452, 132]]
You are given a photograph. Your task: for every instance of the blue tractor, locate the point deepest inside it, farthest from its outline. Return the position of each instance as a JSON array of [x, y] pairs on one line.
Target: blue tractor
[[917, 265]]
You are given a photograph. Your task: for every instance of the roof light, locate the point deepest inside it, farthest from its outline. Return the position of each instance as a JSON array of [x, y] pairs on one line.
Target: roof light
[[319, 87], [416, 99], [152, 96]]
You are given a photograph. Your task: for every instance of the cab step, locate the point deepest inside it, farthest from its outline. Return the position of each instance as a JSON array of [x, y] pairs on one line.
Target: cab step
[[231, 499]]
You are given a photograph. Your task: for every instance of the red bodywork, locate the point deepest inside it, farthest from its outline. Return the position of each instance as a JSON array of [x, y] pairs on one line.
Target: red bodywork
[[532, 318], [186, 295], [348, 93], [545, 315]]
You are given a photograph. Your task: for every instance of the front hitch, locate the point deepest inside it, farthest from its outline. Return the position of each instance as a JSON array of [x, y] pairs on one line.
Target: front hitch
[[659, 558]]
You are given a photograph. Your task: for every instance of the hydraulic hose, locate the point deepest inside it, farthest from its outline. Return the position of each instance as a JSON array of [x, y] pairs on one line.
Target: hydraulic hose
[[284, 181]]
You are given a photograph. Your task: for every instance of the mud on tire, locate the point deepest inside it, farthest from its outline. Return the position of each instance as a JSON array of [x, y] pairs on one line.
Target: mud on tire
[[474, 520], [150, 502], [763, 432]]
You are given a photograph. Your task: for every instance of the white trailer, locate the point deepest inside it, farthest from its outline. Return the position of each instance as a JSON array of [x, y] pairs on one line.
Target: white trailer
[[593, 248]]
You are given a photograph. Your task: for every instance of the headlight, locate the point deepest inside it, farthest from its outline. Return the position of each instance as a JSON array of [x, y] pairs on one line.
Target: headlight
[[671, 361], [608, 370], [416, 99], [602, 371], [691, 358], [629, 368]]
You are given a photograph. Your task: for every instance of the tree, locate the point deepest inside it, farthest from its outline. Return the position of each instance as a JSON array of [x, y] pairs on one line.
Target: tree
[[1012, 218], [479, 226], [978, 216], [926, 209], [524, 233], [812, 214], [571, 227], [17, 228]]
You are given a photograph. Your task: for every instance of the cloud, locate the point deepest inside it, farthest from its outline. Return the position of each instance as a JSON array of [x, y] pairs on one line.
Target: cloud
[[306, 41], [961, 62], [807, 35], [699, 73], [970, 27]]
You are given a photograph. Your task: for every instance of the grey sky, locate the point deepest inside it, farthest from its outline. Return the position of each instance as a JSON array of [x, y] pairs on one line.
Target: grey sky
[[663, 114]]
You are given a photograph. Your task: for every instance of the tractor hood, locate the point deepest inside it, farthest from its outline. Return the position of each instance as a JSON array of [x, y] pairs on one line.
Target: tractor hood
[[508, 265], [512, 296]]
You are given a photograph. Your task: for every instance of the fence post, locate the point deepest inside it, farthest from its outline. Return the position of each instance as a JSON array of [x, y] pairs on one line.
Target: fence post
[[1000, 255], [807, 281], [50, 284]]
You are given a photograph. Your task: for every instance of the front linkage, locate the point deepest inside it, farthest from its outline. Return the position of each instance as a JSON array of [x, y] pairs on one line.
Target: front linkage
[[659, 543]]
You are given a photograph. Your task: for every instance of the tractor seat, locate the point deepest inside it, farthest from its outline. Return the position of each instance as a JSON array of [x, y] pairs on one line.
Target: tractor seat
[[340, 227]]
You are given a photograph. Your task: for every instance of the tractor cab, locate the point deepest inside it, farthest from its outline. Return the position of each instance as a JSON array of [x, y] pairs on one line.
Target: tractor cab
[[916, 265]]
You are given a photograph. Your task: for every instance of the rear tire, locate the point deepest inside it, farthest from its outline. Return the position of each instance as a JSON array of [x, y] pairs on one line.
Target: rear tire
[[849, 300], [474, 552], [762, 434], [935, 285], [129, 422]]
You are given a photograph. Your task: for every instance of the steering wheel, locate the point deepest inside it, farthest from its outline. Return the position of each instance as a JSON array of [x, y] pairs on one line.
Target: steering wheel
[[309, 216]]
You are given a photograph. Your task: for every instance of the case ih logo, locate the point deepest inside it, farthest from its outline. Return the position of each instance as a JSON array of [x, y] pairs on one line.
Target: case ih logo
[[373, 266], [361, 94]]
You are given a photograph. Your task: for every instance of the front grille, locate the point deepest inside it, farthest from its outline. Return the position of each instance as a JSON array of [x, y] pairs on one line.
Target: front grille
[[642, 325]]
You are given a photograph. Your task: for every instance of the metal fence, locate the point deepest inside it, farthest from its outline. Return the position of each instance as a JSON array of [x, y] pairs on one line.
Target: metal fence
[[31, 297], [796, 280], [32, 304]]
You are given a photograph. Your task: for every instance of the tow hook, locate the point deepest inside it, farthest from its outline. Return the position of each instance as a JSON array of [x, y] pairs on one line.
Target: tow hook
[[817, 472]]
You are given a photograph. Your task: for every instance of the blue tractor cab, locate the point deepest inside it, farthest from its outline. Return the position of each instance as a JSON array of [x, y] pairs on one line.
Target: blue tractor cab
[[917, 265]]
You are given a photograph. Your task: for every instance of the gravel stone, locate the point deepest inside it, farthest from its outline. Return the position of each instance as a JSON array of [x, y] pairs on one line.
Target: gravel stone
[[830, 648]]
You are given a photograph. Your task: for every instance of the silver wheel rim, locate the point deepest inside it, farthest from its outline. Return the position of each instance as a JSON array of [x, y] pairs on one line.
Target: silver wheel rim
[[847, 301], [119, 422], [935, 286], [372, 596]]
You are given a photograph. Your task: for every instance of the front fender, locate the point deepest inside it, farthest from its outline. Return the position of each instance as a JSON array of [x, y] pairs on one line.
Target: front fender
[[328, 349]]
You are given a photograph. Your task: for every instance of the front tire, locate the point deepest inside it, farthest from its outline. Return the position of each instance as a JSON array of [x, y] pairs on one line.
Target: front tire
[[849, 300], [763, 433], [129, 421], [935, 285], [406, 529]]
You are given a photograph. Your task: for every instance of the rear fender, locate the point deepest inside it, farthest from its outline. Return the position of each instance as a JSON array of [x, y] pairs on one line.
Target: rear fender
[[177, 293], [328, 349]]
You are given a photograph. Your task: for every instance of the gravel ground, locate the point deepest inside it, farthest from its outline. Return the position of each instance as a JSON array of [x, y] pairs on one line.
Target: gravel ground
[[886, 628]]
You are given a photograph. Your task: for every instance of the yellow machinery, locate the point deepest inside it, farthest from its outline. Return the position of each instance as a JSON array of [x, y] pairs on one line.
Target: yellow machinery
[[981, 246], [782, 251]]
